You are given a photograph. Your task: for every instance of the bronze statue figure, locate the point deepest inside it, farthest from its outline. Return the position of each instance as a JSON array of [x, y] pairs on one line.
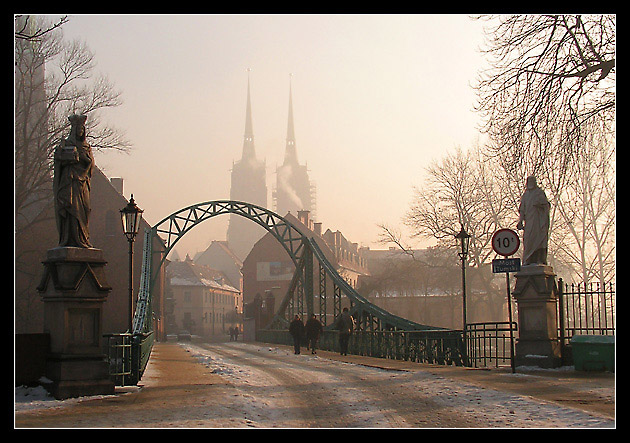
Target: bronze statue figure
[[73, 163]]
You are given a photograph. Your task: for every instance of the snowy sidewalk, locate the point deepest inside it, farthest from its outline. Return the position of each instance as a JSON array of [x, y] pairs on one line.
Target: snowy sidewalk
[[592, 392]]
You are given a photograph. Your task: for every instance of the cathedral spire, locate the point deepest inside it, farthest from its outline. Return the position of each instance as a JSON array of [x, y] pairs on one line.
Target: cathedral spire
[[248, 141], [290, 153]]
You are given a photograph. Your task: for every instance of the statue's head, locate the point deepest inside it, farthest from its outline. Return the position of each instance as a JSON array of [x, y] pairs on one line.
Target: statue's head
[[531, 182], [78, 125]]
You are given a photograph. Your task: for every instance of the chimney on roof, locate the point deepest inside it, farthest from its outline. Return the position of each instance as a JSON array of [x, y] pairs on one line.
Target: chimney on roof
[[317, 228], [303, 216], [117, 183]]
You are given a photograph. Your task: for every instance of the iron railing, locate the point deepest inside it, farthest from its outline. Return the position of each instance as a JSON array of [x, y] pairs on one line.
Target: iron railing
[[444, 347], [490, 344], [119, 358], [585, 309], [127, 356]]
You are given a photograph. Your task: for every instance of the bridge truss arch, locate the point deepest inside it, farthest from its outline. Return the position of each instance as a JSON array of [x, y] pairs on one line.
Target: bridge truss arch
[[316, 286]]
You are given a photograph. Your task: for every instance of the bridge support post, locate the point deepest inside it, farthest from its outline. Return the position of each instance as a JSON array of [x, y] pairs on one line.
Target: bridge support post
[[73, 289]]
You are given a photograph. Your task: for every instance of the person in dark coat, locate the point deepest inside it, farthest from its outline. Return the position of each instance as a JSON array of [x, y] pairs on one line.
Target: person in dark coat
[[314, 329], [345, 325], [296, 329]]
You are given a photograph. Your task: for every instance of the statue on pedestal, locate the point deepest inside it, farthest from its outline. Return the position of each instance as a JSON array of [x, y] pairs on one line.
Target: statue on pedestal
[[534, 212], [535, 291], [73, 163], [74, 285]]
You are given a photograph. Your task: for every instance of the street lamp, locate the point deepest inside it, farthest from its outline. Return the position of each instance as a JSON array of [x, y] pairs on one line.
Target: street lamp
[[130, 219], [464, 239]]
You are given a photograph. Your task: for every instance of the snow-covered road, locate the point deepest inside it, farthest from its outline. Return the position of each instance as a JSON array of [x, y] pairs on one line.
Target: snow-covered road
[[275, 388], [240, 385]]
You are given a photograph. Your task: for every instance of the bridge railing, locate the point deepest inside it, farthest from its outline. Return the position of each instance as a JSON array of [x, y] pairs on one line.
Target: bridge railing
[[443, 347], [488, 344], [127, 356], [119, 358]]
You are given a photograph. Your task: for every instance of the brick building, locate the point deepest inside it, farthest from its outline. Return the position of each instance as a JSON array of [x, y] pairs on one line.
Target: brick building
[[269, 269]]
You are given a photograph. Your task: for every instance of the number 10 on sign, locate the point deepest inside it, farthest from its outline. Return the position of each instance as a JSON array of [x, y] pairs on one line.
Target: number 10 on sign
[[505, 242]]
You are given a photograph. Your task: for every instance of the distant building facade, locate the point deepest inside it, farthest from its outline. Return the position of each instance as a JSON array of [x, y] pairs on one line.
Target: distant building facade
[[220, 257], [203, 301]]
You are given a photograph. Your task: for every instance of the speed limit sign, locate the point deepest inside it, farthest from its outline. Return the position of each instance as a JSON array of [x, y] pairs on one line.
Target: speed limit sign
[[505, 242]]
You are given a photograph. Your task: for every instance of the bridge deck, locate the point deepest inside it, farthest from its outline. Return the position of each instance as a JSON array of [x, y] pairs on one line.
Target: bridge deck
[[176, 380]]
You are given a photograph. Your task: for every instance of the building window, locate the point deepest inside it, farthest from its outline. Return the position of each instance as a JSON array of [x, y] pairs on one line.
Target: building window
[[112, 221]]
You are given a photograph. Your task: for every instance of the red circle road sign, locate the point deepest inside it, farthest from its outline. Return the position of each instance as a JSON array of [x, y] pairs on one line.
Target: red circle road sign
[[505, 242]]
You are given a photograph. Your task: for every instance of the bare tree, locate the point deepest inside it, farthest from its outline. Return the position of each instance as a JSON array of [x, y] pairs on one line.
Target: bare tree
[[53, 79], [462, 189], [548, 101], [586, 207], [549, 75], [25, 28]]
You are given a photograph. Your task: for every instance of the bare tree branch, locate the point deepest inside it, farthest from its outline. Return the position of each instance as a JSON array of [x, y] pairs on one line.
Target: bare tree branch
[[25, 29]]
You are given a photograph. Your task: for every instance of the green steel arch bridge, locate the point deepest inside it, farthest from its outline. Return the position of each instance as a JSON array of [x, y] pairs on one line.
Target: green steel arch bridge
[[316, 288]]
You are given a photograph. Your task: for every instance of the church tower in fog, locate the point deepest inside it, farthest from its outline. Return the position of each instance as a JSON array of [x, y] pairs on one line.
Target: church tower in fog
[[249, 184], [294, 191]]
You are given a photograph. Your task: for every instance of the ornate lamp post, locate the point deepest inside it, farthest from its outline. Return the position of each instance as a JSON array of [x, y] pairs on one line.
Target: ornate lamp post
[[130, 219], [464, 239]]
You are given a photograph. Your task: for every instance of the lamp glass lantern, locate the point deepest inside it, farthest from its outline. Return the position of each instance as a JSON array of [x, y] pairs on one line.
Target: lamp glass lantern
[[131, 219], [464, 239]]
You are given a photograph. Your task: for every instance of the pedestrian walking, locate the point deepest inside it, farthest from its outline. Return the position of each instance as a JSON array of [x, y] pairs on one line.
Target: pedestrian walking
[[231, 333], [314, 329], [236, 332], [345, 325], [296, 329]]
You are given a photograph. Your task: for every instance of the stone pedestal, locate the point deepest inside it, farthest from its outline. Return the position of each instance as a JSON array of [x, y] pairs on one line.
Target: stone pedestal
[[73, 289], [536, 295]]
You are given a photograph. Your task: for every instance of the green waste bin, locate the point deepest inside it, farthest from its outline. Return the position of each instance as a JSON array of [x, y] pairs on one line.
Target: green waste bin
[[593, 352]]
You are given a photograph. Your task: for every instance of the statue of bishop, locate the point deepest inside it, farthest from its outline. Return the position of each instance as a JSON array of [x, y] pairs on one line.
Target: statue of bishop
[[534, 219]]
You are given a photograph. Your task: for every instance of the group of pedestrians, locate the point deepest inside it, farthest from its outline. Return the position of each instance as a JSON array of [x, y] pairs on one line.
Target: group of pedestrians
[[313, 330], [234, 333]]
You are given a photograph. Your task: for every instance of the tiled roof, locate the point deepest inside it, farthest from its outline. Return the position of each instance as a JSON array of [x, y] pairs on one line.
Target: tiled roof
[[187, 273]]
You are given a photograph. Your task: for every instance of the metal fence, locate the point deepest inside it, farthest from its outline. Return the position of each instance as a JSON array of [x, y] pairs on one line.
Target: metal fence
[[444, 347], [490, 344], [585, 309], [127, 356], [119, 358]]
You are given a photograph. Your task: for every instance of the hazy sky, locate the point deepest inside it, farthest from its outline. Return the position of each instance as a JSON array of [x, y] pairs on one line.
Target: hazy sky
[[376, 98]]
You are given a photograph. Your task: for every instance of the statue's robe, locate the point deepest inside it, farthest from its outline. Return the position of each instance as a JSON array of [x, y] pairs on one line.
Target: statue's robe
[[534, 210], [71, 186]]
